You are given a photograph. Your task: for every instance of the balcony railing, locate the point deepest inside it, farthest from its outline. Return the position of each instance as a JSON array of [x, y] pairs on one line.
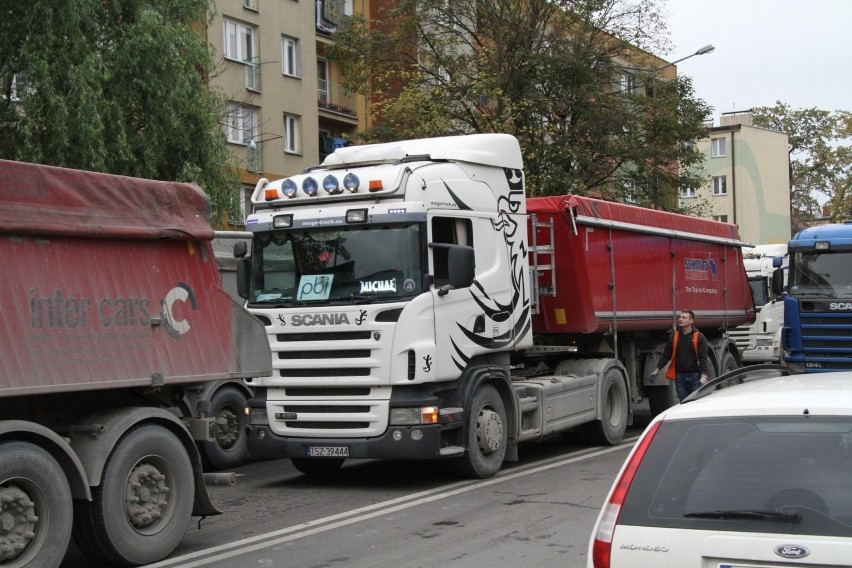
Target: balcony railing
[[334, 98]]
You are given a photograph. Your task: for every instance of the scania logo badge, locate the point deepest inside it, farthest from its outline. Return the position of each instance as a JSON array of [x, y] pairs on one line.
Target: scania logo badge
[[791, 551]]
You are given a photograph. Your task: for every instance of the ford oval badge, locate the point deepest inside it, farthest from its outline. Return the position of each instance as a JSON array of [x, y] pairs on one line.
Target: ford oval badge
[[791, 551]]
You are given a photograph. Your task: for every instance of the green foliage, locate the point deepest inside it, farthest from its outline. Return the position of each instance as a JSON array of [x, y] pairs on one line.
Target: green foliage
[[547, 72], [820, 148], [116, 86]]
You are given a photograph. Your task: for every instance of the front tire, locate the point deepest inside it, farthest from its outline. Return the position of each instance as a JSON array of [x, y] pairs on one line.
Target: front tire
[[142, 508], [230, 449], [609, 430], [35, 507], [487, 434]]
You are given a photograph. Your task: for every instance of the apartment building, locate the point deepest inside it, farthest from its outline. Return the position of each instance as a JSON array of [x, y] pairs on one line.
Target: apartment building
[[748, 179], [287, 109]]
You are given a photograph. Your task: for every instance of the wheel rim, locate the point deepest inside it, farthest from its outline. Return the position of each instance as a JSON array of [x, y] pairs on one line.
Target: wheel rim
[[489, 431], [147, 495], [19, 528], [227, 428]]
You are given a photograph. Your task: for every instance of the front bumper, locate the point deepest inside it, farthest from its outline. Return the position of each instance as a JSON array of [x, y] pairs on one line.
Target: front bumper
[[398, 442]]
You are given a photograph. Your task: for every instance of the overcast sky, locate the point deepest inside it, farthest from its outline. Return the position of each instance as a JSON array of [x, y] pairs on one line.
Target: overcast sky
[[795, 51]]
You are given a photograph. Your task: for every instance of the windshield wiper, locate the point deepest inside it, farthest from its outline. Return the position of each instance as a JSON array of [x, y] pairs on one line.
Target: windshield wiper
[[787, 517]]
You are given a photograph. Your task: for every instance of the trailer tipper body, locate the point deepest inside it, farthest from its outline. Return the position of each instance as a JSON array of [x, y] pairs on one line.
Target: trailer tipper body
[[112, 313], [419, 306]]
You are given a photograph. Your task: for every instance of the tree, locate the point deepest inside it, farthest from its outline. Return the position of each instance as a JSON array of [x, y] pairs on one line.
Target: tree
[[820, 158], [118, 87], [550, 72]]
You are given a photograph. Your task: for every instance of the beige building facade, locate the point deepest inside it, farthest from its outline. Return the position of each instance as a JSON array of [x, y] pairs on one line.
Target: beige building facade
[[287, 109], [748, 179]]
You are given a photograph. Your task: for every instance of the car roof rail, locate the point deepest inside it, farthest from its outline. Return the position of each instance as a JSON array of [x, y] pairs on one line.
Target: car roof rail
[[739, 376]]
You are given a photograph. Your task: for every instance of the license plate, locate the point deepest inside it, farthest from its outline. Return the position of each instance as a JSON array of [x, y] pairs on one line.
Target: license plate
[[328, 451]]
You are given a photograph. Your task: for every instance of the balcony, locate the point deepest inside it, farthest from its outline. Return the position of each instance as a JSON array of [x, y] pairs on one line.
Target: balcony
[[333, 98]]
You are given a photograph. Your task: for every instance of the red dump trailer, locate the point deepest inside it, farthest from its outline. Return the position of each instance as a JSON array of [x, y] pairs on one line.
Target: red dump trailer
[[610, 278], [112, 314]]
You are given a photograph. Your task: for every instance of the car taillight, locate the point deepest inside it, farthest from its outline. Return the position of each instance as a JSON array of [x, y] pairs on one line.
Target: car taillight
[[605, 530]]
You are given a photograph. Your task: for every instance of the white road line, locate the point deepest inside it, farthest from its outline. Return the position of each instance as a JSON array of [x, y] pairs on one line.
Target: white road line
[[223, 552]]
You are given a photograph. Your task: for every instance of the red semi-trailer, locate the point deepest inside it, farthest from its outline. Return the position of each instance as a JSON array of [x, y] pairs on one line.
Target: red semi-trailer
[[420, 306], [113, 318]]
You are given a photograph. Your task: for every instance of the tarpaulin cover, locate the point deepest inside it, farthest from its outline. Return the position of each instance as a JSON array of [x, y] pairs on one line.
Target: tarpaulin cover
[[111, 282], [46, 200]]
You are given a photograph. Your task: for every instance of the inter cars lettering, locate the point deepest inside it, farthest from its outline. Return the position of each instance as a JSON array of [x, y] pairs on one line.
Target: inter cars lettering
[[835, 306], [319, 319]]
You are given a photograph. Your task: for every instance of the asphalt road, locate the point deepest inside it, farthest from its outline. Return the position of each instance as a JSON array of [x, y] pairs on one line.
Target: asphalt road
[[536, 512]]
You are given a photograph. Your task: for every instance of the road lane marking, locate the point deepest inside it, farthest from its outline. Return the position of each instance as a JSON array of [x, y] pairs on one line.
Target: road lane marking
[[204, 557]]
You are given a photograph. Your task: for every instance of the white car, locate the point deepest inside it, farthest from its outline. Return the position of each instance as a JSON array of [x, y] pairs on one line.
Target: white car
[[755, 475]]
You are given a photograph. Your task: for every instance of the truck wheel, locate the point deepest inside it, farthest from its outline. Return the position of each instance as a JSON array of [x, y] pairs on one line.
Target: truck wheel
[[486, 435], [35, 507], [728, 363], [227, 406], [661, 397], [141, 510], [614, 410], [317, 466]]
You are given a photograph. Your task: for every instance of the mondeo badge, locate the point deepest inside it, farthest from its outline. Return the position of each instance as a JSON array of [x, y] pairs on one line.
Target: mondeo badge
[[791, 551]]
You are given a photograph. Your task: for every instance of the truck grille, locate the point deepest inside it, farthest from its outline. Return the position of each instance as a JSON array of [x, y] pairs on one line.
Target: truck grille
[[827, 340], [334, 382]]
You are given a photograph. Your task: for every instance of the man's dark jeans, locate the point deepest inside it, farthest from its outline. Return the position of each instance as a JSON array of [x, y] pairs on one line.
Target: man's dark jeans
[[687, 383]]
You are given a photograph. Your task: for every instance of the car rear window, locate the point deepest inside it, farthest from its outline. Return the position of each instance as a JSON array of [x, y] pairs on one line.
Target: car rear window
[[695, 469]]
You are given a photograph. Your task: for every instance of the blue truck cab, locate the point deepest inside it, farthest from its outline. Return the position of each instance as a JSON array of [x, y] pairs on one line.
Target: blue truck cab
[[817, 334]]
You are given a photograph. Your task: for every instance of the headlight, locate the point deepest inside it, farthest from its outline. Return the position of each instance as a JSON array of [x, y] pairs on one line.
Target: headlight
[[414, 416]]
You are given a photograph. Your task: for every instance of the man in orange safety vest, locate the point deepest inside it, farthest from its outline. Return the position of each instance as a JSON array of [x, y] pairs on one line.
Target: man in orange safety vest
[[687, 353]]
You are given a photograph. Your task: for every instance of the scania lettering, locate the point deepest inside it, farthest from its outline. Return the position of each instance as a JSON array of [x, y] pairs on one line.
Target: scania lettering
[[817, 334], [459, 318]]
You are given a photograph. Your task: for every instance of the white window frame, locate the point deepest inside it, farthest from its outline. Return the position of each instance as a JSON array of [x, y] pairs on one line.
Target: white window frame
[[720, 185], [292, 138], [291, 54], [241, 124], [251, 5], [628, 82], [687, 193], [718, 147], [720, 218], [239, 41]]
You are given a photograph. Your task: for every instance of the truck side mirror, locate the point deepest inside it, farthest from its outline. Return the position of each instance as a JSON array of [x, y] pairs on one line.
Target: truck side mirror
[[243, 276], [462, 265], [778, 281], [240, 249]]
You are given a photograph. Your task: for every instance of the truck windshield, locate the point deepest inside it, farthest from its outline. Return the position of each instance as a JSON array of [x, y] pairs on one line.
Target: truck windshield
[[821, 274], [353, 264], [759, 291]]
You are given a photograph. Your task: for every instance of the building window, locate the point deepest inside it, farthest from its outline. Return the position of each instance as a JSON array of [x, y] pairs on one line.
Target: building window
[[239, 42], [687, 192], [720, 218], [291, 134], [720, 185], [251, 4], [628, 82], [718, 147], [290, 56], [241, 124]]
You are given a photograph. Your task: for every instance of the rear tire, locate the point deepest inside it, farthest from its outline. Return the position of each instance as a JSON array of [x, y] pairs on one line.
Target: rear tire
[[661, 397], [36, 510], [230, 449], [486, 435], [318, 467], [141, 509], [609, 430]]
